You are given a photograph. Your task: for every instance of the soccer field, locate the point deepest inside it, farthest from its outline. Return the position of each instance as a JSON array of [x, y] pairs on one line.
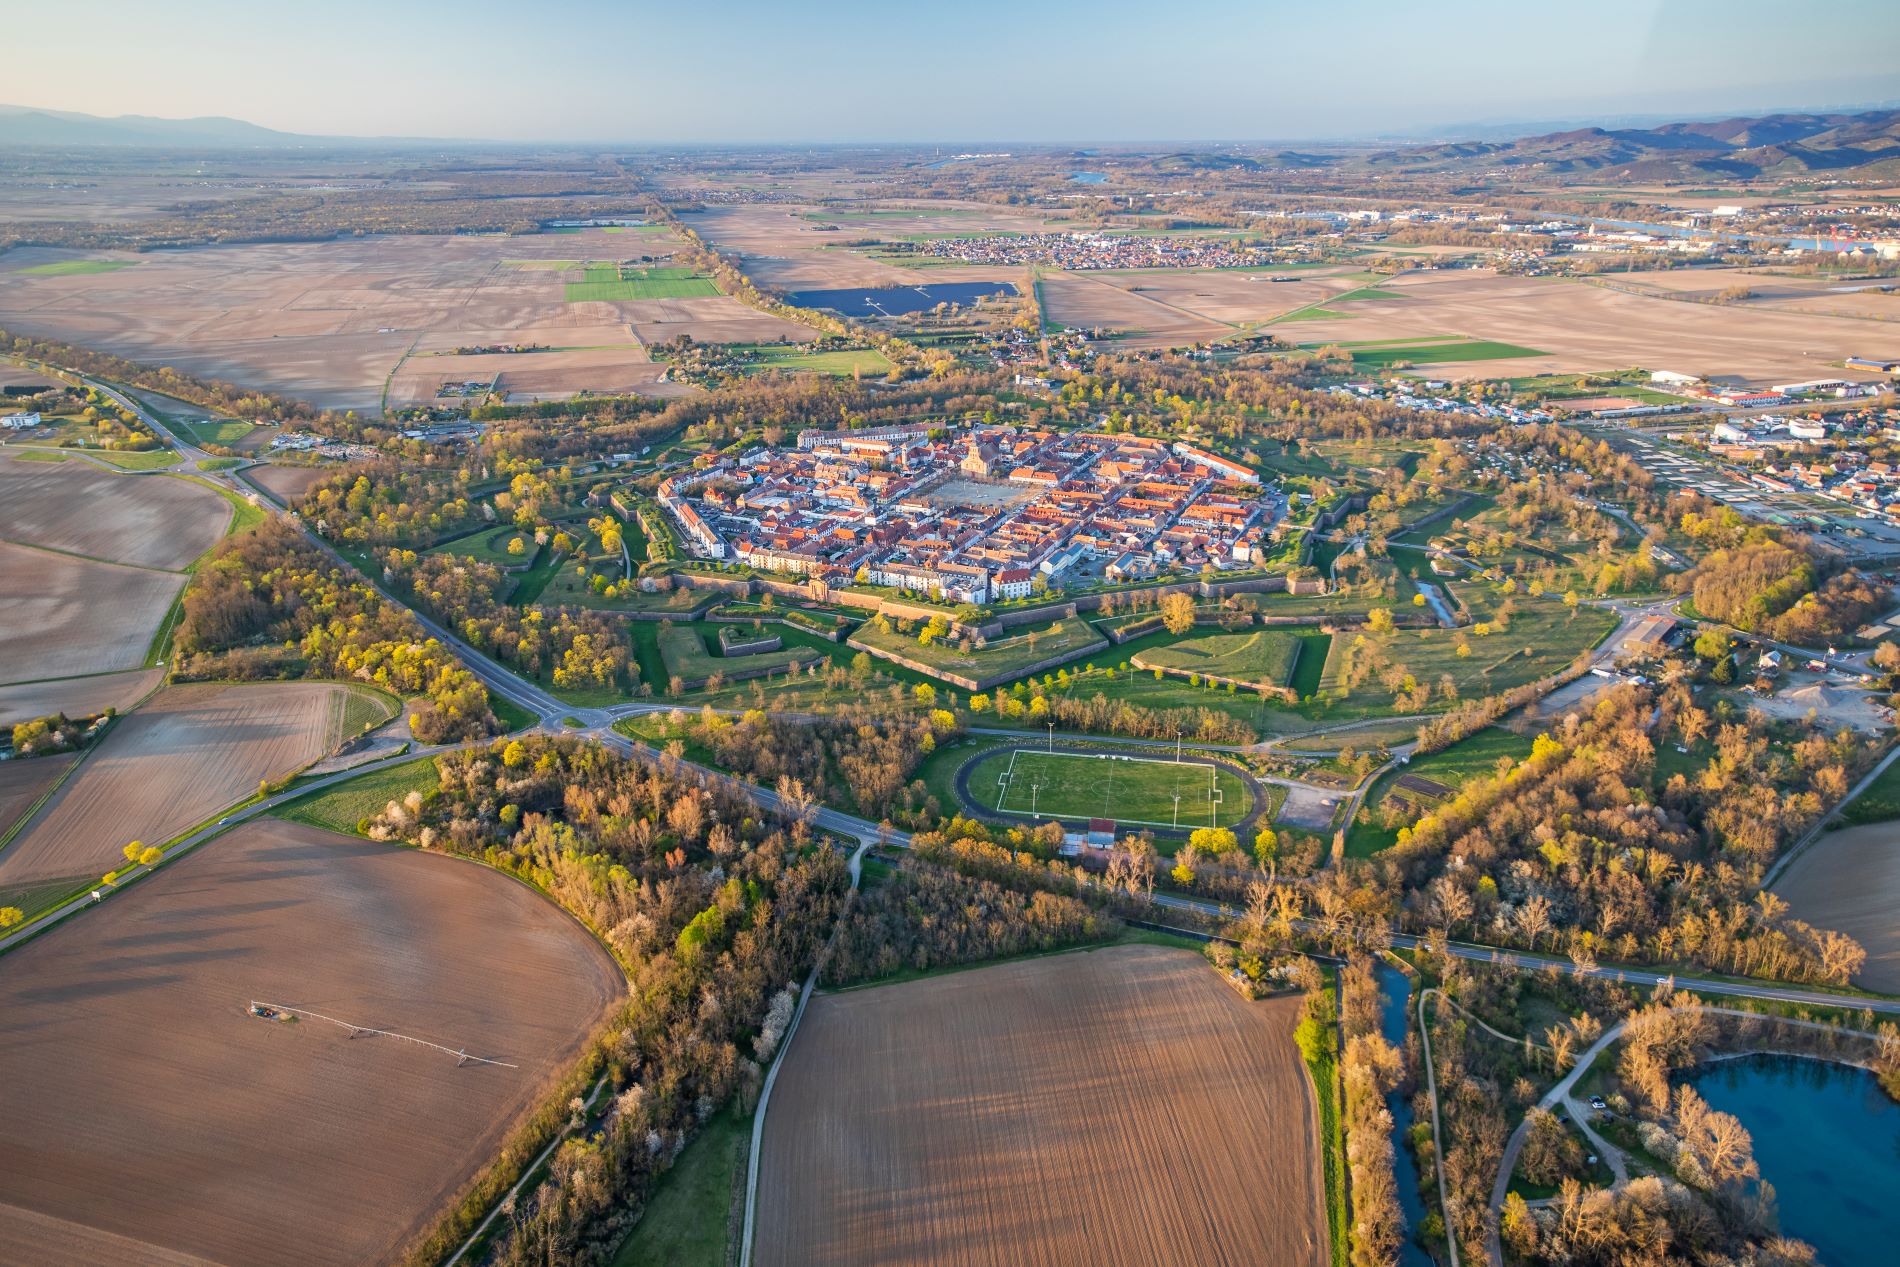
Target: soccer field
[[1139, 791]]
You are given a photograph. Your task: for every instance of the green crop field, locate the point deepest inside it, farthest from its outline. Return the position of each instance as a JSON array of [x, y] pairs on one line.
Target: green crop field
[[1310, 314], [1261, 658], [1131, 790], [1391, 343], [791, 358], [1435, 353], [1365, 292], [72, 268], [612, 282]]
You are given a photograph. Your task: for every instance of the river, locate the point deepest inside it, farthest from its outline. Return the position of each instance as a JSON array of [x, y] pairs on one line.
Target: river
[[1395, 1002], [1828, 1139]]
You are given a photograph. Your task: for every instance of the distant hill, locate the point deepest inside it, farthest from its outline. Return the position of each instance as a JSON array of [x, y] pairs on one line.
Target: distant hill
[[1777, 145], [32, 126], [25, 125]]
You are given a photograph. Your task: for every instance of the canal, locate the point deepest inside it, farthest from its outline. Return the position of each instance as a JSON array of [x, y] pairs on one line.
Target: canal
[[1395, 1003]]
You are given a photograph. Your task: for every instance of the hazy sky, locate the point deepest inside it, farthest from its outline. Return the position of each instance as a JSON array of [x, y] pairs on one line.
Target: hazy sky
[[852, 70]]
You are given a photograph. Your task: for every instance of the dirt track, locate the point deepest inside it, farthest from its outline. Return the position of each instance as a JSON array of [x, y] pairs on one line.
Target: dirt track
[[175, 762], [144, 1115], [1117, 1106]]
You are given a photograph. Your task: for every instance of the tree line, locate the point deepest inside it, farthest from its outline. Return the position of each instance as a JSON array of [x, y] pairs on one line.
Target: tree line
[[268, 605], [715, 912]]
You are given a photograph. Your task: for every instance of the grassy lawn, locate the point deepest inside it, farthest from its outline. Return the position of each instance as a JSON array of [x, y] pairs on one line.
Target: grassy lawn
[[661, 282], [490, 545], [1454, 767], [938, 770], [225, 431], [1370, 735], [244, 513], [789, 357], [688, 1219], [1314, 648], [509, 713], [73, 268], [655, 730], [1144, 690], [1132, 790], [528, 588], [137, 459], [1332, 1132], [1263, 657], [1880, 802], [358, 709], [1542, 636], [342, 807], [1006, 656], [816, 619], [691, 652]]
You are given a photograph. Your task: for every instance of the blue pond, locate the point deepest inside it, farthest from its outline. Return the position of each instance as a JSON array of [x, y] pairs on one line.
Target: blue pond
[[1828, 1139], [897, 301], [1395, 999], [1088, 178]]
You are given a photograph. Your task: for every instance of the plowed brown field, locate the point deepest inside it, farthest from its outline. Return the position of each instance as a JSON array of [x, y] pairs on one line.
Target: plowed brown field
[[76, 696], [22, 782], [145, 1117], [1586, 328], [169, 766], [1850, 881], [288, 482], [61, 616], [151, 521], [1118, 1106], [346, 323]]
